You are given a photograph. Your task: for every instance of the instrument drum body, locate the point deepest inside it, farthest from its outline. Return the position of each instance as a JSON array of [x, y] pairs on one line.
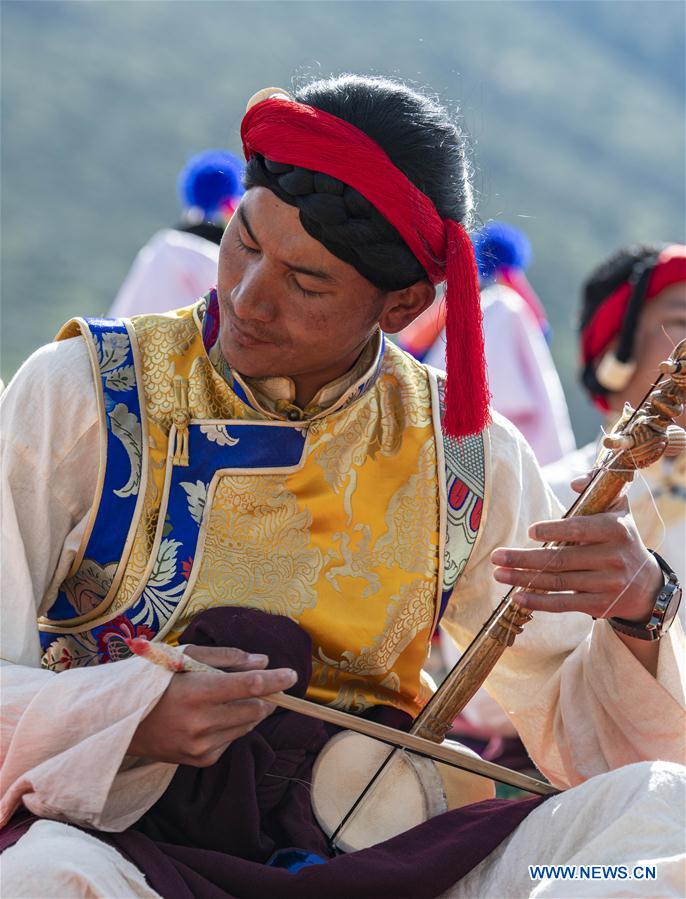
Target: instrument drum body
[[412, 789]]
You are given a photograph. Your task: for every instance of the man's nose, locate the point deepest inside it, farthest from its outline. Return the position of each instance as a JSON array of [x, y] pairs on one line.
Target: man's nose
[[251, 297]]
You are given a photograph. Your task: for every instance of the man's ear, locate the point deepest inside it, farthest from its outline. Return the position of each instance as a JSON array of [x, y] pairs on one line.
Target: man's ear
[[402, 306]]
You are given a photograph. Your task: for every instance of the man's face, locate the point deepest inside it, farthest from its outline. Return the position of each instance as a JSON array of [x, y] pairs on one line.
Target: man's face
[[661, 325], [287, 306]]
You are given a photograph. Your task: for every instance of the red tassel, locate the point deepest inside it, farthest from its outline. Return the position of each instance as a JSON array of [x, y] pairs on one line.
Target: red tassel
[[466, 394]]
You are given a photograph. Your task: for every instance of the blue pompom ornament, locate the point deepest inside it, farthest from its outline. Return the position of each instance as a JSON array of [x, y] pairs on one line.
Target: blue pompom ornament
[[499, 246], [211, 182]]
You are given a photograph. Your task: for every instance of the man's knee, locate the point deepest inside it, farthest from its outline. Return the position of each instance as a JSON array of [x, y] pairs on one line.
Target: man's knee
[[649, 791], [659, 780]]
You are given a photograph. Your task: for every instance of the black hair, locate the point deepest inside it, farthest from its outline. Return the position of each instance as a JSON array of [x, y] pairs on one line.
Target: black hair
[[633, 264], [607, 277], [420, 138], [208, 230]]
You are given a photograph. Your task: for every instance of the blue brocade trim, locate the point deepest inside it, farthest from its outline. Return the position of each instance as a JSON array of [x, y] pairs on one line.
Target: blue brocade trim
[[122, 466], [214, 448]]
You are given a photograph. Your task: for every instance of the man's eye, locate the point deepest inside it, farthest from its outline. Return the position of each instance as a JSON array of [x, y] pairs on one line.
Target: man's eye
[[306, 293], [244, 247]]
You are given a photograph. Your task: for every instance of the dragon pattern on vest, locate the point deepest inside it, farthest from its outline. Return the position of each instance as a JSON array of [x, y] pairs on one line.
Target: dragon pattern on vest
[[355, 523]]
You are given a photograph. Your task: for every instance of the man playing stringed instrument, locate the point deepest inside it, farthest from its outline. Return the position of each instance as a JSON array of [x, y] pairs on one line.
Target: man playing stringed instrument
[[268, 451]]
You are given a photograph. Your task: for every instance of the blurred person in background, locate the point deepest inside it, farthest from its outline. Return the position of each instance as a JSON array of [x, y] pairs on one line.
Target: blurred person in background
[[179, 264], [265, 477], [524, 383], [503, 254], [633, 313]]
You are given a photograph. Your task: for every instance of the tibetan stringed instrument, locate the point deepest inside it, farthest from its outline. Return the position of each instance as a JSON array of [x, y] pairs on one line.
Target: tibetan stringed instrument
[[364, 793], [360, 791]]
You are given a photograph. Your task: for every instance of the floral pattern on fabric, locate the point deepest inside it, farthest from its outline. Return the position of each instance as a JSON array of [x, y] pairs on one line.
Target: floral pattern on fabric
[[111, 638], [163, 589], [219, 434], [408, 613], [410, 517], [356, 557], [71, 651], [87, 588], [127, 427], [197, 497]]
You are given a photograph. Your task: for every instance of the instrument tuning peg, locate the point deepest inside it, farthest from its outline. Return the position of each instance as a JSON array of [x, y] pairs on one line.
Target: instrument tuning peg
[[670, 367], [676, 441], [618, 441]]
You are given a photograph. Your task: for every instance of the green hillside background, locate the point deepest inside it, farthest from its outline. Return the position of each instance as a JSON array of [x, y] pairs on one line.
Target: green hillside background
[[575, 111]]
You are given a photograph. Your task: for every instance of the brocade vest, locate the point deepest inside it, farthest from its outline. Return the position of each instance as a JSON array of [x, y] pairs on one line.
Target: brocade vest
[[355, 523]]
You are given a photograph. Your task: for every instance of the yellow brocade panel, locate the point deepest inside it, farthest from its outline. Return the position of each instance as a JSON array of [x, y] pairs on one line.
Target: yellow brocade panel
[[347, 546]]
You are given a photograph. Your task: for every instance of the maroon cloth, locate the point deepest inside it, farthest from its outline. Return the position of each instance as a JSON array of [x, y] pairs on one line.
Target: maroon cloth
[[212, 831], [15, 828]]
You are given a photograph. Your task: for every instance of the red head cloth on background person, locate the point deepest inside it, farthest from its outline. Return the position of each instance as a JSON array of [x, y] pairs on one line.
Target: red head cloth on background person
[[607, 337], [296, 134], [606, 324]]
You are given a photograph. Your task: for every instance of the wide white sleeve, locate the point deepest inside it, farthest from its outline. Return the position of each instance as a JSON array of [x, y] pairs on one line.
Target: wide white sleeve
[[579, 699], [63, 737]]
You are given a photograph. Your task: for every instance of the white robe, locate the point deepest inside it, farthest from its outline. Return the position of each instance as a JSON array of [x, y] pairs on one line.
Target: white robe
[[580, 700], [524, 383], [171, 271]]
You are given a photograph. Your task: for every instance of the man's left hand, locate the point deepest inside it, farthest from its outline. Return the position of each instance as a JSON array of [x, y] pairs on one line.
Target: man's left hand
[[606, 572]]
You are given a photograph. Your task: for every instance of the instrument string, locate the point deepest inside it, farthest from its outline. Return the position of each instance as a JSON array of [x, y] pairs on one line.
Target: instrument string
[[658, 543], [658, 540], [510, 597], [605, 462], [358, 801]]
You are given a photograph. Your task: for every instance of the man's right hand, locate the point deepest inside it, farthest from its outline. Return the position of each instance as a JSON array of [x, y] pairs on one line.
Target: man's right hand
[[200, 714]]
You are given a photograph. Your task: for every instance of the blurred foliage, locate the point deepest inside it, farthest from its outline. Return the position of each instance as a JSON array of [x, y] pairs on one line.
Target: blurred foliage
[[575, 111]]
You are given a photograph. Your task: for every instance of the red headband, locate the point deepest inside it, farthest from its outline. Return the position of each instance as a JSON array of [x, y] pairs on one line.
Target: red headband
[[606, 323], [297, 134]]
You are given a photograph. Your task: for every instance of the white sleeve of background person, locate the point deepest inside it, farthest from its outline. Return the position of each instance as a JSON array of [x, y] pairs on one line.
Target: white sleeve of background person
[[522, 377], [63, 737], [172, 270]]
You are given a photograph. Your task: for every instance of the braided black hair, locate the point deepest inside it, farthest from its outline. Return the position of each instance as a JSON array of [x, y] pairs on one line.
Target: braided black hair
[[422, 141]]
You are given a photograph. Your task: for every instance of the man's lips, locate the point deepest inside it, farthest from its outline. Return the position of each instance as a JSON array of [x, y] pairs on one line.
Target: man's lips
[[245, 338]]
